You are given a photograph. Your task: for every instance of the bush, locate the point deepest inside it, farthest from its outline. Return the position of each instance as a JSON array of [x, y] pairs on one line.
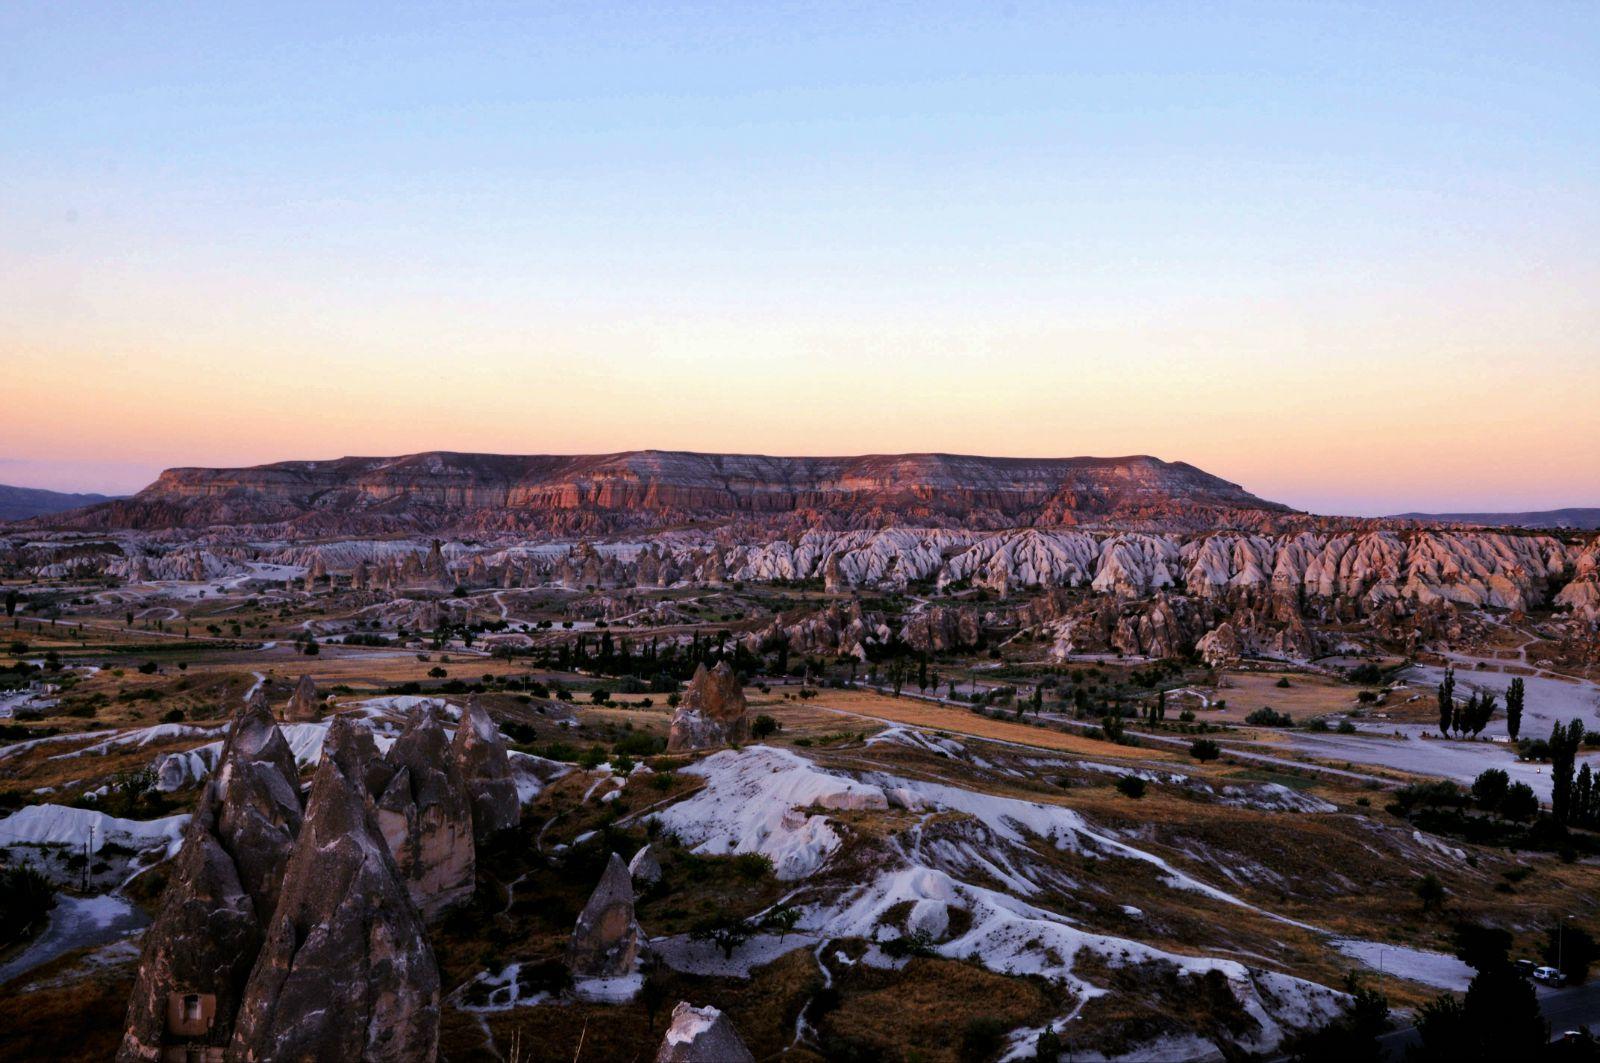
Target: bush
[[1267, 716], [25, 897], [981, 1040], [1489, 789], [1204, 749], [1346, 727], [1131, 786], [172, 716], [1283, 682], [149, 668], [764, 726]]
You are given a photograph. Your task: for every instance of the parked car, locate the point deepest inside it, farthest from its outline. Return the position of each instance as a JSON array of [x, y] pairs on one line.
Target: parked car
[[1549, 976], [1525, 968]]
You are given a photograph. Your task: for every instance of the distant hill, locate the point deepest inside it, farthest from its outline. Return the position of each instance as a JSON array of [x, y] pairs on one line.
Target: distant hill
[[20, 503], [590, 493], [1581, 519]]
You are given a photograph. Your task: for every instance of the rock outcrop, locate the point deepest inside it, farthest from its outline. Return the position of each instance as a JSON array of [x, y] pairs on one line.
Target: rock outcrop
[[644, 868], [607, 941], [350, 743], [304, 705], [223, 888], [425, 814], [712, 712], [480, 758], [1219, 647], [256, 793], [346, 971], [702, 1035]]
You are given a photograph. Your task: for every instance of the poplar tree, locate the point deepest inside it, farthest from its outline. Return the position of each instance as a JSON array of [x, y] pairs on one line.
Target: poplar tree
[[1447, 701], [1514, 696]]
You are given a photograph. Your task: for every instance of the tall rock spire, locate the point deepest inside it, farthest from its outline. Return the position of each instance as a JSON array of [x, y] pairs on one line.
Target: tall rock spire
[[223, 888], [480, 757], [346, 971]]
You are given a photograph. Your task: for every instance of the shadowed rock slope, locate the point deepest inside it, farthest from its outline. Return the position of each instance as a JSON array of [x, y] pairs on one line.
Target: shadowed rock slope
[[346, 971]]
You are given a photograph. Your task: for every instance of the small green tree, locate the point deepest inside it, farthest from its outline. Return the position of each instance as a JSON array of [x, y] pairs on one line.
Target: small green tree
[[1489, 789], [1431, 892], [1204, 749]]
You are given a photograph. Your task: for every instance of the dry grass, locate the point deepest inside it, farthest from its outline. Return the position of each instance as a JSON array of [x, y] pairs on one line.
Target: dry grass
[[1307, 696], [882, 708]]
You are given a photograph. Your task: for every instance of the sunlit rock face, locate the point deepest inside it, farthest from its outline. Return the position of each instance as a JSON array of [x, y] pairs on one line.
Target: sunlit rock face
[[346, 971], [425, 815], [663, 488], [712, 712]]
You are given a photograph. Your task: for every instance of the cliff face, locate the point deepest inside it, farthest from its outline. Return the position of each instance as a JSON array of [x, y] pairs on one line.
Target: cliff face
[[659, 488]]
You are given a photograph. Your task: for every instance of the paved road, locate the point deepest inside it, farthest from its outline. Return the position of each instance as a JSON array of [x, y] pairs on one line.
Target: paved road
[[1564, 1009]]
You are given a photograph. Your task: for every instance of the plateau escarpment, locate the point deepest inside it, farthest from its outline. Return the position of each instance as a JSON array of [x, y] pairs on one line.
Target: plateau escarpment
[[645, 489]]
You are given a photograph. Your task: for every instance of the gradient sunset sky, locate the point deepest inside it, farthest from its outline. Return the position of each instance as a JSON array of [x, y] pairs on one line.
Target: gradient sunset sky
[[1347, 255]]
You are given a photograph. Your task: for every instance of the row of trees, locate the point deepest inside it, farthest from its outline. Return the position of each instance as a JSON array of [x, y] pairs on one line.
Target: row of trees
[[1564, 743], [1473, 715]]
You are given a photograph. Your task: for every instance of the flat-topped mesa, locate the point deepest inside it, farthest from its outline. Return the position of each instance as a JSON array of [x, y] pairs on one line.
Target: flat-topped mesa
[[701, 1035], [480, 758], [425, 814], [223, 888], [346, 971], [607, 941], [660, 488], [304, 705], [712, 712]]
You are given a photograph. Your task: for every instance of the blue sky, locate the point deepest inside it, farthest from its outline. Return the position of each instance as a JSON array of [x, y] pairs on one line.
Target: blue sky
[[1343, 254]]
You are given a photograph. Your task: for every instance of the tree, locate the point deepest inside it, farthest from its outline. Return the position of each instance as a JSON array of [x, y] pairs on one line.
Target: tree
[[1442, 1025], [26, 897], [1514, 698], [1482, 947], [11, 603], [1489, 789], [1499, 1019], [1570, 948], [1520, 802], [1131, 786], [1503, 1015], [763, 726], [1447, 701], [782, 919], [1583, 798], [1431, 892], [1564, 742], [726, 932], [1047, 1049], [1353, 1035], [1204, 749]]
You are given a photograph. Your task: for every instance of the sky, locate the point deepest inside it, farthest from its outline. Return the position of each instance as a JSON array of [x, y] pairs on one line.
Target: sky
[[1347, 255]]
